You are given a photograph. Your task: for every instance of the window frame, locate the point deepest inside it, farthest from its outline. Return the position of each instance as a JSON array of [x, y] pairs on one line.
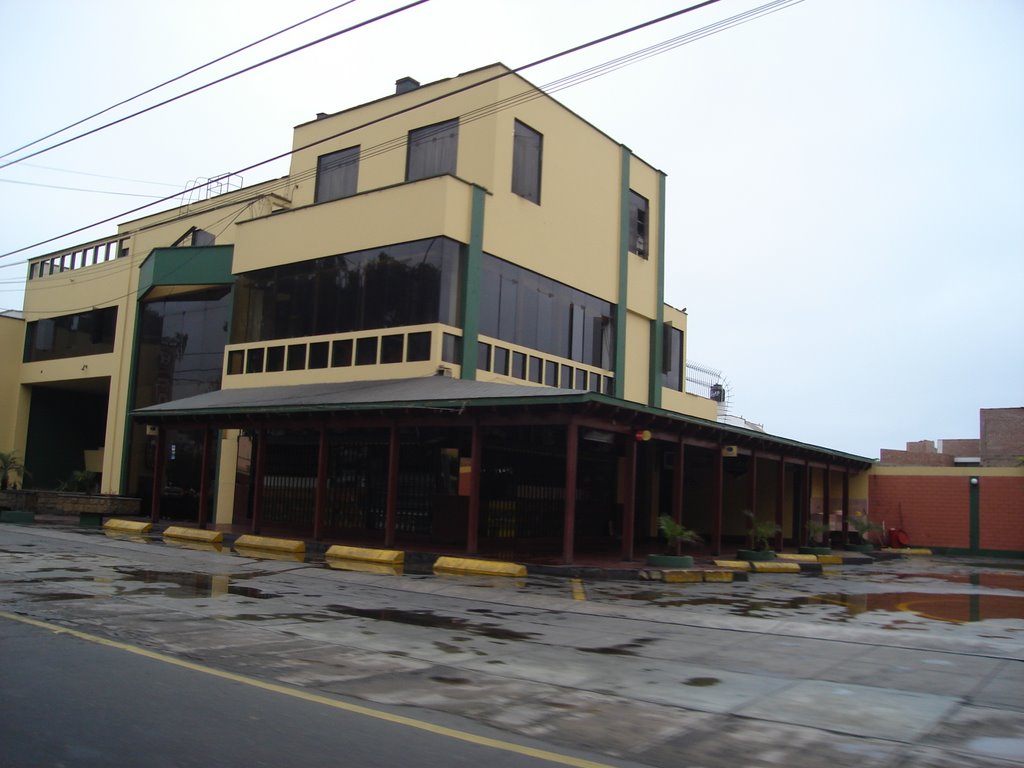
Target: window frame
[[639, 224], [527, 184], [340, 167], [418, 137]]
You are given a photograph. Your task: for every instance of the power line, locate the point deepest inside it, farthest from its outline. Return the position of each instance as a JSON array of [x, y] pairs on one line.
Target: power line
[[78, 189], [99, 175], [533, 93], [175, 79], [220, 80]]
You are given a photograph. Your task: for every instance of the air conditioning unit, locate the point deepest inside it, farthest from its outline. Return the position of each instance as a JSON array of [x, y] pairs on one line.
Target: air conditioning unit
[[729, 451]]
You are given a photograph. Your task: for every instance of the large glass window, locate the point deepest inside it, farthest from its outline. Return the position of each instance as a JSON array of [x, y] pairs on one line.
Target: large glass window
[[337, 174], [522, 307], [397, 285], [638, 242], [433, 150], [85, 333], [526, 158], [672, 358]]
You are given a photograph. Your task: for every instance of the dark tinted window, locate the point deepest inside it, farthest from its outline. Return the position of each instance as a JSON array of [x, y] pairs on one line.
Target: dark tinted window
[[318, 354], [638, 242], [418, 346], [672, 358], [337, 174], [526, 159], [433, 150], [86, 333], [391, 348]]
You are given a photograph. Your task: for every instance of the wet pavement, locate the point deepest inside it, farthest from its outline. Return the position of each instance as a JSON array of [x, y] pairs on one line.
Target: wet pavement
[[908, 662]]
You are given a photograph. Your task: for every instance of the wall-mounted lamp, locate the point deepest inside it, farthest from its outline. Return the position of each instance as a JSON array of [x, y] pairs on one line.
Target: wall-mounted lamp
[[974, 481]]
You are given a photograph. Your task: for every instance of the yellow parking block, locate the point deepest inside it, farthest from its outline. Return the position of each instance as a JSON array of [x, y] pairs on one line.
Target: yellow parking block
[[193, 534], [463, 565], [736, 565], [775, 566], [266, 542], [830, 559], [718, 576], [367, 555], [127, 526], [270, 554], [908, 550], [795, 558], [682, 576]]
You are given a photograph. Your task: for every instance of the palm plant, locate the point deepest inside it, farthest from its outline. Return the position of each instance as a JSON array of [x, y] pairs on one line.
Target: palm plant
[[676, 534], [10, 464], [761, 532]]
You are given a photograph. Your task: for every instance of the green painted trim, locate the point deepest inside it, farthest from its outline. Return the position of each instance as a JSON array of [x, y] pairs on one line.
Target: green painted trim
[[126, 442], [471, 285], [622, 312], [206, 265], [658, 324], [974, 494]]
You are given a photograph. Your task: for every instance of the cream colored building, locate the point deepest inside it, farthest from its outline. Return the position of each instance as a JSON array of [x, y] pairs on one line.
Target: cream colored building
[[467, 265]]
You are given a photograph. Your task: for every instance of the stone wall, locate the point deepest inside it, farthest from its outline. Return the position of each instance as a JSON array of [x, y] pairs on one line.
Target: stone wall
[[57, 503]]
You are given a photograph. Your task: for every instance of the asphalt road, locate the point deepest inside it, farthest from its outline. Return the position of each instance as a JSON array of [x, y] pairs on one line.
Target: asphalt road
[[185, 657]]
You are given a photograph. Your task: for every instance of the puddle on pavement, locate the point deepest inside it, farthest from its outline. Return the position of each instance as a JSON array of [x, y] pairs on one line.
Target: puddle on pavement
[[951, 608], [433, 621], [702, 682], [622, 649], [191, 585]]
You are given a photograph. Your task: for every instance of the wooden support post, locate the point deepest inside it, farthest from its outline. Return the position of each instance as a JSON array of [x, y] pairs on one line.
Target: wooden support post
[[320, 505], [204, 483], [846, 506], [257, 492], [780, 502], [826, 497], [678, 485], [629, 501], [752, 483], [716, 504], [158, 474], [572, 442], [806, 511], [475, 465], [391, 504]]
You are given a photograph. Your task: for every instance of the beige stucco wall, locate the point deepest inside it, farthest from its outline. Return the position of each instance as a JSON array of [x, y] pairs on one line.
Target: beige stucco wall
[[12, 343]]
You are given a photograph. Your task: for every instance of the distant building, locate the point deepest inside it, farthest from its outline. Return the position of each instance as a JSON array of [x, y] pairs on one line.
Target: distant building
[[1001, 444]]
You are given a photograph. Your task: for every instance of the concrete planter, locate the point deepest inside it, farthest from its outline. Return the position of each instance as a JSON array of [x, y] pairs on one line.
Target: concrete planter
[[755, 554], [815, 550], [670, 561]]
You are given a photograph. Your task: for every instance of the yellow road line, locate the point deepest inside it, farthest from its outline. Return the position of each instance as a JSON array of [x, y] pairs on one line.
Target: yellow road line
[[409, 722], [578, 593]]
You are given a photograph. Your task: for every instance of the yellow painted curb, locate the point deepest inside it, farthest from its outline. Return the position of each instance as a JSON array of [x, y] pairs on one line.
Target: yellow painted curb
[[198, 546], [128, 526], [193, 534], [830, 559], [796, 558], [464, 565], [775, 566], [908, 551], [718, 576], [736, 565], [384, 569], [266, 542], [366, 555], [682, 576]]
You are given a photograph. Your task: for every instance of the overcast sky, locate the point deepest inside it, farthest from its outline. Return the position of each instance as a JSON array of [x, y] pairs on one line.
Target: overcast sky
[[845, 177]]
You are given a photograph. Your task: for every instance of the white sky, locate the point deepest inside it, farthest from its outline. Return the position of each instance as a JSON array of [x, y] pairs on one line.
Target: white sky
[[846, 177]]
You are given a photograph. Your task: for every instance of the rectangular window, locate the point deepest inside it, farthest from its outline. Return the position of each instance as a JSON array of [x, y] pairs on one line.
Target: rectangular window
[[672, 358], [254, 360], [551, 373], [638, 242], [418, 347], [236, 359], [519, 365], [296, 357], [391, 348], [341, 353], [337, 174], [318, 354], [526, 158], [433, 150], [536, 369], [275, 359], [483, 356], [85, 333], [366, 351], [451, 348], [501, 361]]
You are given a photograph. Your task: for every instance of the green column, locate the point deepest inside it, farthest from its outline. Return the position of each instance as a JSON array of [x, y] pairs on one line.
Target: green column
[[622, 311], [657, 325], [471, 285], [975, 506]]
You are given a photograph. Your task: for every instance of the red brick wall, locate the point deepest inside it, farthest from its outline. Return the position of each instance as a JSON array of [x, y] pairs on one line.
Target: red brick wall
[[1002, 436], [1002, 513], [892, 457], [934, 511]]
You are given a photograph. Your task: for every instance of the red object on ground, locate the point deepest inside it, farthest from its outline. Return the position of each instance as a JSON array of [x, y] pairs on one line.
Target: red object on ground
[[898, 538]]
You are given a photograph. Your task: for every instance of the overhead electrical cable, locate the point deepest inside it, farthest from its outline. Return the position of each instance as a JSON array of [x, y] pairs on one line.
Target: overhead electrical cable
[[566, 82], [77, 189], [175, 79], [218, 81]]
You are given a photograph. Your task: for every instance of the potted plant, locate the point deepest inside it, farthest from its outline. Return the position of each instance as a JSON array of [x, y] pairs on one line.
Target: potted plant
[[818, 545], [760, 533], [675, 535], [864, 527], [10, 464]]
